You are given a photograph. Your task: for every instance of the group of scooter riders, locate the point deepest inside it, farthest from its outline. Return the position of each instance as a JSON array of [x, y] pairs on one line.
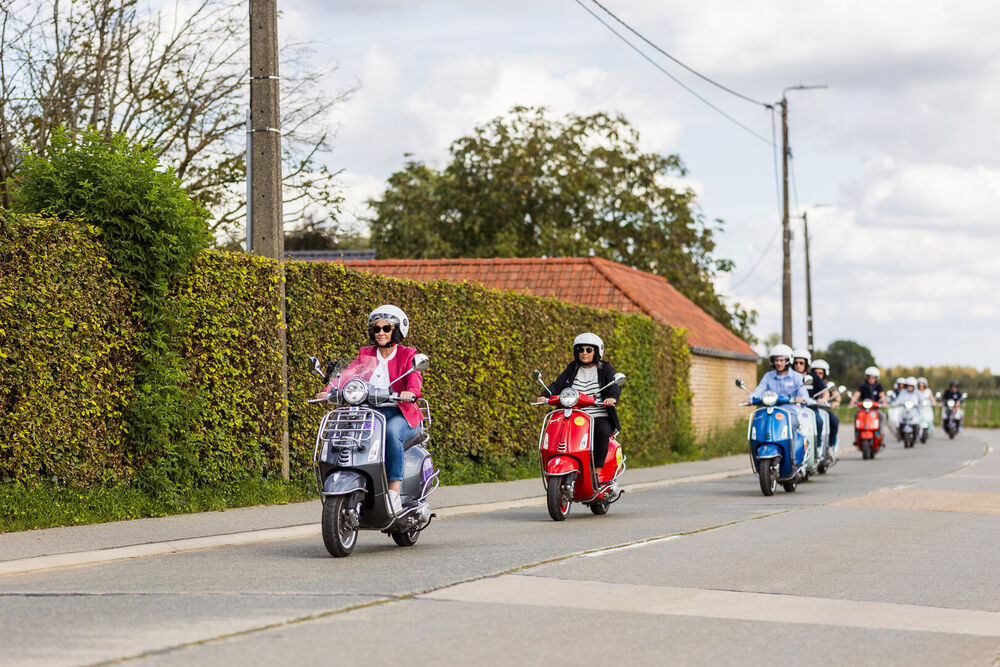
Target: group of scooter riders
[[374, 473]]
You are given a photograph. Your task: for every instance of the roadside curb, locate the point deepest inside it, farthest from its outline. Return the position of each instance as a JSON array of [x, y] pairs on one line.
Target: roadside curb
[[95, 556]]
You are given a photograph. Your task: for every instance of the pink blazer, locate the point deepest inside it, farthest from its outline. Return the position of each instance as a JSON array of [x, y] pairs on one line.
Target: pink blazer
[[398, 365]]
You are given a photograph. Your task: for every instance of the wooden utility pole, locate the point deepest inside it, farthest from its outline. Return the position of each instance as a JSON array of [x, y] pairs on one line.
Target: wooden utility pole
[[786, 234], [267, 233], [809, 298]]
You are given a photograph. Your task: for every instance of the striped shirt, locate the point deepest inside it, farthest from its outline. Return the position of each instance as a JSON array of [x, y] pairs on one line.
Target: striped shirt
[[586, 383]]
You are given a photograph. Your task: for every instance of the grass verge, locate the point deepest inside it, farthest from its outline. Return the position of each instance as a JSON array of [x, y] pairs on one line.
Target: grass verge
[[24, 507]]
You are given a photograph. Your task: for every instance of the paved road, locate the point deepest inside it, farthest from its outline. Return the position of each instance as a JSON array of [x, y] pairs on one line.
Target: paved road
[[891, 561]]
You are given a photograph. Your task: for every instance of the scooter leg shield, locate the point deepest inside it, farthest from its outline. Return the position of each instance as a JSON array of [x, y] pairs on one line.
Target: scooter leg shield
[[561, 465]]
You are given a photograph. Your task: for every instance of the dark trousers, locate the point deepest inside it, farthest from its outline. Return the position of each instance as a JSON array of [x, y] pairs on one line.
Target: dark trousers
[[602, 433]]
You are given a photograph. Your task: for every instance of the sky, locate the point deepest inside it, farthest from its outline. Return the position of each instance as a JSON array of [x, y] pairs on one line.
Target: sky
[[896, 164]]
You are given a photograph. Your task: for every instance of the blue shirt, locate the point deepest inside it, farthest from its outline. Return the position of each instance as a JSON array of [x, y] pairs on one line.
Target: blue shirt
[[789, 384]]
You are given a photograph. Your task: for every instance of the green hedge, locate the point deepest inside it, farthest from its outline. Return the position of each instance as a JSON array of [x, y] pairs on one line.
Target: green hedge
[[68, 339], [69, 336], [483, 346]]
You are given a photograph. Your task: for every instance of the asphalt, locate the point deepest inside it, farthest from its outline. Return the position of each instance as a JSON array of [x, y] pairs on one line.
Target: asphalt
[[30, 551]]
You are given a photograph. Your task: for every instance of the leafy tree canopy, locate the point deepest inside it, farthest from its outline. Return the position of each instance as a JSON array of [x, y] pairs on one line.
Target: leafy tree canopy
[[848, 360], [526, 185]]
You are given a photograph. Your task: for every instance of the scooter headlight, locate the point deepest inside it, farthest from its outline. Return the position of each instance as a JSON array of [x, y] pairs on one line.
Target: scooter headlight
[[951, 402], [569, 397], [866, 404], [355, 392], [908, 404], [769, 398]]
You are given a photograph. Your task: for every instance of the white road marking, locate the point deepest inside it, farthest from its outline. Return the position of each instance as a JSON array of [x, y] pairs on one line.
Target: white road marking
[[516, 589], [627, 547]]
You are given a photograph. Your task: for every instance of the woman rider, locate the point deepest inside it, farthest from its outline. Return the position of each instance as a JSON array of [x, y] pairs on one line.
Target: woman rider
[[587, 373], [380, 364]]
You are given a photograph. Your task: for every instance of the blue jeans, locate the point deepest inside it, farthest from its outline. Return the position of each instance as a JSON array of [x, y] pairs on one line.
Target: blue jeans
[[397, 431]]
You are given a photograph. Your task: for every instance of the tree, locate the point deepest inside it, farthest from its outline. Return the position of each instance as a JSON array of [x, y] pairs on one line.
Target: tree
[[848, 360], [174, 78], [526, 186]]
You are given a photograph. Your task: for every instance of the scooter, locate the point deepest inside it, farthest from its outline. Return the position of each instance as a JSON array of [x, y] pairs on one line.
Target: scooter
[[909, 424], [952, 415], [569, 473], [349, 464], [926, 420], [776, 442], [828, 457], [868, 435]]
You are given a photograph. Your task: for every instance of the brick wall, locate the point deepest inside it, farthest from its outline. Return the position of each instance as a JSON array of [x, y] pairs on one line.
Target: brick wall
[[715, 396]]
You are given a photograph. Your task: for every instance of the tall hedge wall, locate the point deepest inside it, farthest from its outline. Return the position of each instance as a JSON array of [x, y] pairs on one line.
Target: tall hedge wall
[[483, 346], [68, 339], [69, 335]]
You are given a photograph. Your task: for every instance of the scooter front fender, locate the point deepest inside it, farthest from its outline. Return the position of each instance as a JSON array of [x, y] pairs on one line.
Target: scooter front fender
[[342, 482], [561, 465], [768, 451]]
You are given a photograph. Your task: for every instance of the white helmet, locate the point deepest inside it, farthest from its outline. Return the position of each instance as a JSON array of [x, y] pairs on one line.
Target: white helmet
[[589, 338], [393, 314], [780, 350], [900, 381], [821, 364], [911, 381], [802, 353], [871, 370], [922, 380]]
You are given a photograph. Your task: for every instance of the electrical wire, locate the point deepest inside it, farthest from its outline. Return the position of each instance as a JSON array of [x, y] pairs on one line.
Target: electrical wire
[[763, 254], [671, 76], [693, 71]]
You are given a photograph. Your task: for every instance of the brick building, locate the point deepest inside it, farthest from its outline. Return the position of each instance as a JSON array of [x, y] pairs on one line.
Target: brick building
[[717, 355]]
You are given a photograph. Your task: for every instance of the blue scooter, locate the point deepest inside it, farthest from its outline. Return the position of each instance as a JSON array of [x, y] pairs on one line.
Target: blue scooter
[[776, 443]]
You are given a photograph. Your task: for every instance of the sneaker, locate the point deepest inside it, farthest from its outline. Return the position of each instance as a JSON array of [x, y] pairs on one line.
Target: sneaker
[[395, 504]]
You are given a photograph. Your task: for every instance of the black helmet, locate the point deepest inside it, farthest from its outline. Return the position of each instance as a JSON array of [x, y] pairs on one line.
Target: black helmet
[[953, 383]]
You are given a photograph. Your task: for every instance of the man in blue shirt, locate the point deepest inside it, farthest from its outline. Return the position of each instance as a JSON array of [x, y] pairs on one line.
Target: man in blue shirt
[[782, 380]]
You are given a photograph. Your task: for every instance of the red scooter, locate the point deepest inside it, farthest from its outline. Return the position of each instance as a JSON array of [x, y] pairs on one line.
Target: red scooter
[[868, 435], [566, 458]]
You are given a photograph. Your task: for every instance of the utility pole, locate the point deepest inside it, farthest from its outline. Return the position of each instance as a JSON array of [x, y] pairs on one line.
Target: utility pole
[[809, 296], [786, 232], [265, 178]]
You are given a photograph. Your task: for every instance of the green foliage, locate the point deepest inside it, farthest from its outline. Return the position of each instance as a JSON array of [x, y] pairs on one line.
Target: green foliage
[[68, 356], [152, 231], [67, 353], [28, 507], [526, 186], [970, 380], [483, 346], [848, 361]]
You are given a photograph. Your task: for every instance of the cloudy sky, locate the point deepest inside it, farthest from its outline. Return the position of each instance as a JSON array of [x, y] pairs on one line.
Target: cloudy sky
[[897, 162]]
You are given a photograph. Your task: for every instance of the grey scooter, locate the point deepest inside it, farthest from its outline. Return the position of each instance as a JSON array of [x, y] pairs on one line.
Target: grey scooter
[[349, 465]]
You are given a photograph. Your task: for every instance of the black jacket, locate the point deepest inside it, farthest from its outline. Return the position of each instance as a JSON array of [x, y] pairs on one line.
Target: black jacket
[[605, 374]]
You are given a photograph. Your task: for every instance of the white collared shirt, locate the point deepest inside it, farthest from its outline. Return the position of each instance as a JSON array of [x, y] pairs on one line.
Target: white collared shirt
[[380, 377]]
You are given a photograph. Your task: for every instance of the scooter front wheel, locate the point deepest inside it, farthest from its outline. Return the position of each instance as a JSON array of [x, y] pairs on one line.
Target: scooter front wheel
[[556, 499], [789, 487], [600, 507], [340, 532], [768, 478]]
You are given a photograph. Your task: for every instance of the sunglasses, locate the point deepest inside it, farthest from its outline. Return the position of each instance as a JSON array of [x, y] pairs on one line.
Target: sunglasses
[[585, 350], [800, 361], [385, 328]]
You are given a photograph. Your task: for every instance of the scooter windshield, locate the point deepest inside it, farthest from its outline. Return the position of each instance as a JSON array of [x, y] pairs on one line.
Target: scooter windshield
[[361, 367]]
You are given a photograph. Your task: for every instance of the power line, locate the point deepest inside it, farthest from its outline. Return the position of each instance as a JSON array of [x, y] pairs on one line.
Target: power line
[[671, 76], [763, 254], [693, 71]]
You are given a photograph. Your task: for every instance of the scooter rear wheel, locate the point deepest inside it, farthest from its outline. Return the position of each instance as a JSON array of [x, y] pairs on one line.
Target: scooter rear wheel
[[338, 536], [407, 539], [557, 503]]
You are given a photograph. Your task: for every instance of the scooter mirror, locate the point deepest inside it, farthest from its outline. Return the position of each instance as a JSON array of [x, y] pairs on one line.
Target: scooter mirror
[[314, 366], [807, 380], [739, 382], [964, 396], [537, 374], [938, 396], [620, 379], [421, 362], [842, 389]]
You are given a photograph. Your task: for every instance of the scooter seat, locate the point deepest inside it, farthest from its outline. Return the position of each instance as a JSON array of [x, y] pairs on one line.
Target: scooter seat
[[415, 439]]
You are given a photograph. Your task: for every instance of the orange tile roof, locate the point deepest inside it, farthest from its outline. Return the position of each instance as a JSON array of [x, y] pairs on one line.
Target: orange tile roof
[[591, 281]]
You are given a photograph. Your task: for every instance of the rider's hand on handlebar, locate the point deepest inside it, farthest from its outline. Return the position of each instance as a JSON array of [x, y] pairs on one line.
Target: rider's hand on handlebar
[[322, 396], [608, 402], [542, 399], [408, 395]]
